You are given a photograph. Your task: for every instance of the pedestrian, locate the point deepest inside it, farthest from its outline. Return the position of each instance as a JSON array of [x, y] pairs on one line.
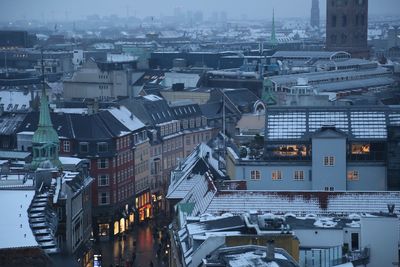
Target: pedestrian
[[133, 257]]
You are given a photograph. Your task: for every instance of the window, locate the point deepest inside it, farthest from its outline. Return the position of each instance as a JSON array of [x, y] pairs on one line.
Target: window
[[353, 176], [102, 163], [360, 149], [344, 21], [299, 175], [329, 161], [66, 146], [187, 140], [333, 21], [255, 175], [329, 188], [102, 147], [276, 175], [103, 180], [84, 147], [104, 198]]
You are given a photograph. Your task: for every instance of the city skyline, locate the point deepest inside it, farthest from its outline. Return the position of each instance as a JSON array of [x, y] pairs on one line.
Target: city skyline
[[257, 9]]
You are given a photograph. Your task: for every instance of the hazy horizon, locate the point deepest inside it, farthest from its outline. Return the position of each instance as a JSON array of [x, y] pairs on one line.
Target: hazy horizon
[[52, 10]]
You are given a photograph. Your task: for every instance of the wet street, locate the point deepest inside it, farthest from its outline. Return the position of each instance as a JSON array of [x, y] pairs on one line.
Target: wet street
[[142, 246]]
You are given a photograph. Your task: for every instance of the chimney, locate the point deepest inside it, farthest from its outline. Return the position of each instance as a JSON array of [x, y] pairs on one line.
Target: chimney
[[270, 250]]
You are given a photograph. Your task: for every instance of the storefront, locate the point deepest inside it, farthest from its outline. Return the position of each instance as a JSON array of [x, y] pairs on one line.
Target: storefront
[[143, 205]]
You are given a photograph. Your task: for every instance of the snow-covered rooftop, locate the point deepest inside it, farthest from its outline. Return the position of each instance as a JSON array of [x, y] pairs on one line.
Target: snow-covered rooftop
[[14, 228], [124, 116]]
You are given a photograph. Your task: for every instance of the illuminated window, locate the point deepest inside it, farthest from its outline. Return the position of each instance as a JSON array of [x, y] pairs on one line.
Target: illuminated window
[[255, 175], [276, 175], [298, 175], [360, 149], [329, 161], [353, 176], [116, 227], [103, 229]]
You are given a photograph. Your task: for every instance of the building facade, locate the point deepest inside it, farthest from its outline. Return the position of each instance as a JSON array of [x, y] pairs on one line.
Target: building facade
[[347, 27], [324, 149]]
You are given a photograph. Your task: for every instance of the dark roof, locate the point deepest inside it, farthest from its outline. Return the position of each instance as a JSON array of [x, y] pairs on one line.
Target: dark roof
[[153, 110], [98, 126], [241, 97], [185, 111], [9, 123], [214, 110]]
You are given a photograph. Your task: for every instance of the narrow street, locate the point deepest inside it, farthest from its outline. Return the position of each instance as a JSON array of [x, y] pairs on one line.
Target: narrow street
[[138, 245]]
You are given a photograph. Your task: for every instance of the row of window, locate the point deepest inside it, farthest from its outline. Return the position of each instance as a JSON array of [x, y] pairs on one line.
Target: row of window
[[102, 147], [172, 144], [170, 128], [124, 157], [197, 138], [298, 175], [123, 142]]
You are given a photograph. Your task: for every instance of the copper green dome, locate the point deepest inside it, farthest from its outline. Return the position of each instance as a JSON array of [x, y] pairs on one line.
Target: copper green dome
[[45, 141]]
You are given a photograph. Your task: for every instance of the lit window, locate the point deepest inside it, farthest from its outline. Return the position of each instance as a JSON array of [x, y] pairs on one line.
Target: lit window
[[329, 161], [103, 180], [67, 146], [276, 175], [353, 176], [299, 175], [255, 175]]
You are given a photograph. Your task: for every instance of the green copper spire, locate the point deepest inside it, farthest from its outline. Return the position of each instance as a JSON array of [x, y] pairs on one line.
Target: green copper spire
[[45, 142], [273, 41]]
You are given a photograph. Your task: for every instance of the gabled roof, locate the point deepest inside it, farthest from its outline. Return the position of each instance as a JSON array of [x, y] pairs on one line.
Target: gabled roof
[[197, 167]]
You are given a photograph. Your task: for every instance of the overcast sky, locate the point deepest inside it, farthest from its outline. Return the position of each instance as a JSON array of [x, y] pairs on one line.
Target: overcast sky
[[75, 9]]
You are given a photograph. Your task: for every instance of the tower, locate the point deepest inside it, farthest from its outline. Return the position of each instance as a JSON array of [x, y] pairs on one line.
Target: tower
[[315, 14], [347, 26], [45, 142]]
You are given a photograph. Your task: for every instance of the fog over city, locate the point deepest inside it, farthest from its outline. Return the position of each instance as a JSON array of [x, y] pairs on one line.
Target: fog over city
[[257, 9]]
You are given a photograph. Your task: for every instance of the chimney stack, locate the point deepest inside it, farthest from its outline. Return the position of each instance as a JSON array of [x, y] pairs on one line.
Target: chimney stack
[[270, 250]]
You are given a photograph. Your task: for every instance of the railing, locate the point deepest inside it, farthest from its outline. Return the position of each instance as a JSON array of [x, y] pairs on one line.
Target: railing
[[357, 258]]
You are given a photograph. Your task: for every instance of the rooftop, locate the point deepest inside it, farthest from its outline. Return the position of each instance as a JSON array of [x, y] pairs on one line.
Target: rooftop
[[358, 122], [14, 229]]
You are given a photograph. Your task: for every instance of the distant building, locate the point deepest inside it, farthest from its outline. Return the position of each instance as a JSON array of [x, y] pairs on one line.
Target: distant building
[[347, 27], [314, 22], [102, 80], [16, 39]]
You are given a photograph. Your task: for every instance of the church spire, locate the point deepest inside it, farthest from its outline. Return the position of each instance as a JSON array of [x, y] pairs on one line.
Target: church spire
[[45, 142], [274, 42]]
